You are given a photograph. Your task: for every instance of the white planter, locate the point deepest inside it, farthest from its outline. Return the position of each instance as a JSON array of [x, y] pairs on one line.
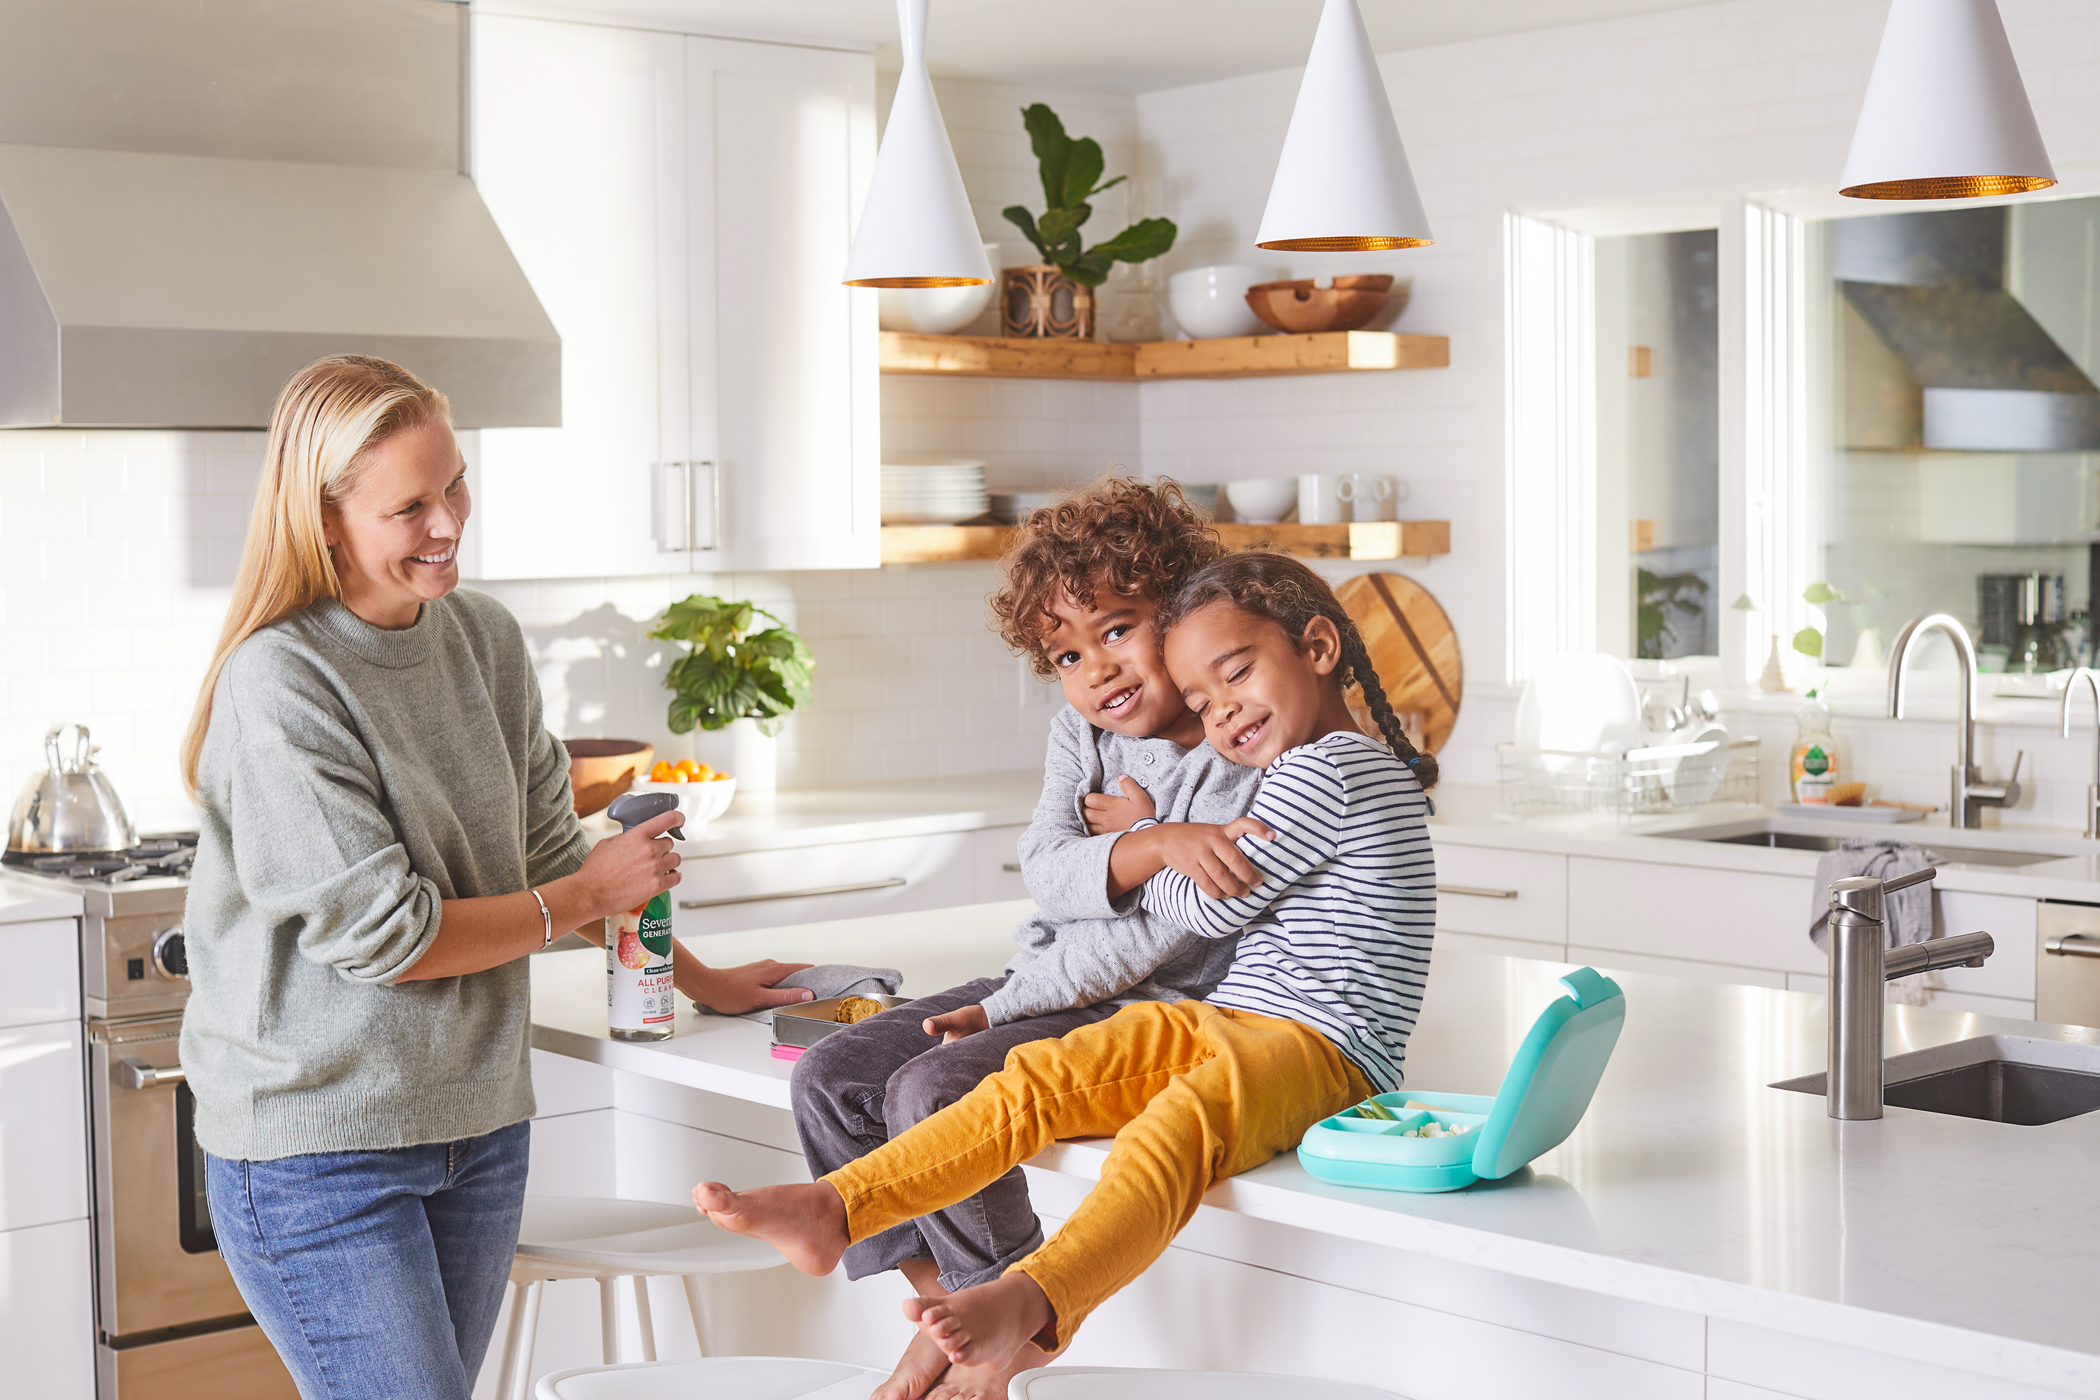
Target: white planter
[[741, 751]]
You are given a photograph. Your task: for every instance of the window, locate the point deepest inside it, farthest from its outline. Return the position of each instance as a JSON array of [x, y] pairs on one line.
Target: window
[[1964, 427]]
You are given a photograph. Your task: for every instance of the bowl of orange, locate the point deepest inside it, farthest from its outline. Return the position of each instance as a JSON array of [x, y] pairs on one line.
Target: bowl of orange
[[703, 793]]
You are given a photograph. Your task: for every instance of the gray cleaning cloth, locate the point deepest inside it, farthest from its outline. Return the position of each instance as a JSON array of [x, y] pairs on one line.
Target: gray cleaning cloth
[[1908, 912], [827, 980]]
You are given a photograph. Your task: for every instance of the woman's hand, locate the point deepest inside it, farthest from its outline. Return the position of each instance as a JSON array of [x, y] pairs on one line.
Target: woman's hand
[[1106, 812], [954, 1025], [731, 991], [629, 870]]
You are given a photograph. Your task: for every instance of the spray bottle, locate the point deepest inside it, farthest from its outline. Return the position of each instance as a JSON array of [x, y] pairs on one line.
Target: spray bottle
[[639, 1001]]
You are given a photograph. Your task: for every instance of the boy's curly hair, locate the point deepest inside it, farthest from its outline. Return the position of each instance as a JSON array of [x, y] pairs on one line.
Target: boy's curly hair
[[1134, 538]]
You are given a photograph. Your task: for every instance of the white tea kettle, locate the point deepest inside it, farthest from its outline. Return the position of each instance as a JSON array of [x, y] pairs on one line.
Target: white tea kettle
[[70, 807]]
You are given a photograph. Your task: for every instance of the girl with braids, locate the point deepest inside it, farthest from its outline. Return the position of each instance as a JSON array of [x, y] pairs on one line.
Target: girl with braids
[[1313, 1016]]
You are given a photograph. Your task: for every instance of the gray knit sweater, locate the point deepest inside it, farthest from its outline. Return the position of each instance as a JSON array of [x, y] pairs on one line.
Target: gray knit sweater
[[1082, 948], [354, 779]]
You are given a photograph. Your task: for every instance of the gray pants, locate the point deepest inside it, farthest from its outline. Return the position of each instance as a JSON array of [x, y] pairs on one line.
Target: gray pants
[[858, 1087]]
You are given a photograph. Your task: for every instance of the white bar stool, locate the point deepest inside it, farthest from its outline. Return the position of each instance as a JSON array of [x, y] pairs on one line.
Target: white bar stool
[[564, 1237], [730, 1377], [1117, 1383]]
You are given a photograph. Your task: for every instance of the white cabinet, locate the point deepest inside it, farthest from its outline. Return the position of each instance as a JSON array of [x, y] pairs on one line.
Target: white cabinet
[[683, 208], [1729, 917], [47, 1316], [996, 860], [39, 972], [846, 880], [1506, 894], [43, 1137]]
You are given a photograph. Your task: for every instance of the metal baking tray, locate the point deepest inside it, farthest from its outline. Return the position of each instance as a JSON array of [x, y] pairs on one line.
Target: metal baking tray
[[811, 1021]]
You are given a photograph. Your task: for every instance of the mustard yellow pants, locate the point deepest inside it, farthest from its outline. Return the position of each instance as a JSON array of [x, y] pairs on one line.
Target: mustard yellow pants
[[1192, 1094]]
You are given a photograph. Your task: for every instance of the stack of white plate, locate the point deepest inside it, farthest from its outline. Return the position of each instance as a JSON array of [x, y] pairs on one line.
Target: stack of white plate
[[932, 493]]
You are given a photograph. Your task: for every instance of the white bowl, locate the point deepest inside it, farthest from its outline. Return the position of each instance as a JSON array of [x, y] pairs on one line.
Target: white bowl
[[1262, 500], [699, 803], [1211, 302], [937, 310]]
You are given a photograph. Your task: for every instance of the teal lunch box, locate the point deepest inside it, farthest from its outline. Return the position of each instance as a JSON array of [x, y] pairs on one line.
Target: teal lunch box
[[1543, 1096]]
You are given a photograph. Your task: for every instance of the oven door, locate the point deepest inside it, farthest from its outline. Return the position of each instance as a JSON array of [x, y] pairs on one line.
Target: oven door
[[156, 1263]]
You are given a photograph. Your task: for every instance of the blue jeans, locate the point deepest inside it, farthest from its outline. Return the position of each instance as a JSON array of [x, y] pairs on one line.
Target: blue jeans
[[376, 1273]]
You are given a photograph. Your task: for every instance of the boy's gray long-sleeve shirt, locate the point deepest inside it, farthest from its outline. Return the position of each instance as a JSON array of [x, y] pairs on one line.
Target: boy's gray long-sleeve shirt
[[1082, 948]]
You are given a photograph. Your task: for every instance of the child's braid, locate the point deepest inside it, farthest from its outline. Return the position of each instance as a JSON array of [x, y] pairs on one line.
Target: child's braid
[[1290, 595]]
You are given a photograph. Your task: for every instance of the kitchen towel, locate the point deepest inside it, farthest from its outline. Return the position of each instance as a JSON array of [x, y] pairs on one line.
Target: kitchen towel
[[837, 980], [1908, 913]]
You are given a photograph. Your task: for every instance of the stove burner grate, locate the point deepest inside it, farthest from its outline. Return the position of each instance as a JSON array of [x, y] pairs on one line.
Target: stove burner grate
[[167, 855]]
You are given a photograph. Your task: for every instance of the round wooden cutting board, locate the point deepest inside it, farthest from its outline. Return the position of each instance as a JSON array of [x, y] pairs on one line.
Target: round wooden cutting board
[[1413, 649]]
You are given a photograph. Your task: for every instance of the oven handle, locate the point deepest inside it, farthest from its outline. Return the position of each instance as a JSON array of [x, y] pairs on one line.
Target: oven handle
[[137, 1074]]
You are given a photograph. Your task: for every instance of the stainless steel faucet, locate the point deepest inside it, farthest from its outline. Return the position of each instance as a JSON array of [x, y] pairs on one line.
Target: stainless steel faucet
[[1971, 794], [1860, 961], [2092, 789]]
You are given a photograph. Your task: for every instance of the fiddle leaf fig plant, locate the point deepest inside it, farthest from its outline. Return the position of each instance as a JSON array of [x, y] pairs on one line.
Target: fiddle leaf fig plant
[[1070, 167], [730, 671]]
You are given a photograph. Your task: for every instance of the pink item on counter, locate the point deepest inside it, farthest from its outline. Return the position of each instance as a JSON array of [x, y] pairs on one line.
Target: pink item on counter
[[787, 1052]]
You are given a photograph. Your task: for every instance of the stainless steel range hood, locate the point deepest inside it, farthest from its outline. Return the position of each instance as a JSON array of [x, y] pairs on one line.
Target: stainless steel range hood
[[1979, 372], [197, 200]]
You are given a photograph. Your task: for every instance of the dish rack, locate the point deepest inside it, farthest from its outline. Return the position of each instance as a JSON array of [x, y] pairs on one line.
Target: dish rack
[[1637, 782]]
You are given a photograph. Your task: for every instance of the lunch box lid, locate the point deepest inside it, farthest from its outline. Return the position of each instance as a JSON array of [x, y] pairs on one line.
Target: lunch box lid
[[1554, 1075]]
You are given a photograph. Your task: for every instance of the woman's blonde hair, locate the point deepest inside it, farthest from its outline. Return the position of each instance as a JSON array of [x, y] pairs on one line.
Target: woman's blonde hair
[[322, 432]]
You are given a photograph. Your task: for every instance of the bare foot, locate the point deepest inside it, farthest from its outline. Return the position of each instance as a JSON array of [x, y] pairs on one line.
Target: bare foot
[[807, 1223], [988, 1382], [985, 1325]]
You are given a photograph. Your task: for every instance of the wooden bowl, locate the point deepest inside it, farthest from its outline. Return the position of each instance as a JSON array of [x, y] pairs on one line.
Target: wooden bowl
[[602, 769], [1302, 307]]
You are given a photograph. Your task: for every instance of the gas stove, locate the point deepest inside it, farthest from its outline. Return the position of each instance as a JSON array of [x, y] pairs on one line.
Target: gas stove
[[133, 960], [154, 857]]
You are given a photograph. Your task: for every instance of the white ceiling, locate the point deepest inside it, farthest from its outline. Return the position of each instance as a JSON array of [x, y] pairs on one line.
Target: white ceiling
[[1112, 45]]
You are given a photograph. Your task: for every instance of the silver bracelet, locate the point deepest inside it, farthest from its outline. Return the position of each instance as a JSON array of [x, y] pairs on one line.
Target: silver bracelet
[[546, 918]]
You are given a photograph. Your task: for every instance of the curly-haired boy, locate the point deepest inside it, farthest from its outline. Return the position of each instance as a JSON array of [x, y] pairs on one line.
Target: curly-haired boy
[[1082, 582]]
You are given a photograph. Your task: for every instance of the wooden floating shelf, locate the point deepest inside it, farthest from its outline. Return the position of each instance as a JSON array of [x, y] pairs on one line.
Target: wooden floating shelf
[[1369, 539], [1242, 357]]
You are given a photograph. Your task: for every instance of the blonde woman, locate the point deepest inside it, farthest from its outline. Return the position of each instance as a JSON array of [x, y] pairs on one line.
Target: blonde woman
[[387, 832]]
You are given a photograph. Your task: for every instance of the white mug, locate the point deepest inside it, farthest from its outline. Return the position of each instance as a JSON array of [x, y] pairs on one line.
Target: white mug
[[1372, 495], [1322, 499]]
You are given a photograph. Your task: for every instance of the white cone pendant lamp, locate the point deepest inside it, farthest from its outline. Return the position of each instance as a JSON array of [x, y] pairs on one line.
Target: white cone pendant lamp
[[1342, 183], [1946, 115], [916, 229]]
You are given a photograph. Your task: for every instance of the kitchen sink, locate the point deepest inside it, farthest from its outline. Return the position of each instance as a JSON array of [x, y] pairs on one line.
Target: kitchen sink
[[1805, 841], [1995, 1078]]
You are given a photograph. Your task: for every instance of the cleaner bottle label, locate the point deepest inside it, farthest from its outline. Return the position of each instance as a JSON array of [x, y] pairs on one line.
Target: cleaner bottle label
[[638, 969], [1817, 777]]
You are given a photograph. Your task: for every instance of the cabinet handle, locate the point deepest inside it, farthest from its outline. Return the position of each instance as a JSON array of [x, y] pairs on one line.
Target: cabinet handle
[[674, 507], [1476, 891], [1012, 867], [137, 1074], [714, 505], [889, 884], [2073, 945]]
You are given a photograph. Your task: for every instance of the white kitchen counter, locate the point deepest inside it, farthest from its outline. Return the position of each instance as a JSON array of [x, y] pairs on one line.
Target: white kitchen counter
[[23, 901], [1691, 1185], [860, 812], [1470, 814]]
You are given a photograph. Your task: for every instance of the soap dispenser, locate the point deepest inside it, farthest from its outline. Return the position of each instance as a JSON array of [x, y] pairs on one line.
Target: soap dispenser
[[1814, 767]]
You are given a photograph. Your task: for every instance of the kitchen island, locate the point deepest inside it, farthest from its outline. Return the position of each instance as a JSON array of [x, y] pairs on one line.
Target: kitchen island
[[1701, 1234]]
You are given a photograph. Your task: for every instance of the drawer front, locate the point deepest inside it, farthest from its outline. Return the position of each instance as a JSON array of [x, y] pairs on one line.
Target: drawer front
[[1506, 894], [1617, 960], [996, 864], [47, 1328], [43, 1136], [2009, 971], [1730, 917], [765, 889], [1450, 940], [39, 972]]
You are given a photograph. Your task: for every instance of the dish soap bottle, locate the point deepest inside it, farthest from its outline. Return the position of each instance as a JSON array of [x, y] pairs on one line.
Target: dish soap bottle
[[640, 1003], [1815, 761]]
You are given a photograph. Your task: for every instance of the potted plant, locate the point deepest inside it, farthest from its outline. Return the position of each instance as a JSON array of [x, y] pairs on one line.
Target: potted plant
[[1055, 297], [737, 677]]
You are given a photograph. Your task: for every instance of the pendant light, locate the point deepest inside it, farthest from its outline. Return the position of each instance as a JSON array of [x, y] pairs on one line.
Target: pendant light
[[1946, 115], [916, 230], [1342, 183]]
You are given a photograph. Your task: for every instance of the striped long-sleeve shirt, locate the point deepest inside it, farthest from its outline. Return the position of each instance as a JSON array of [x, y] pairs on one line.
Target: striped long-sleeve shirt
[[1337, 935]]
